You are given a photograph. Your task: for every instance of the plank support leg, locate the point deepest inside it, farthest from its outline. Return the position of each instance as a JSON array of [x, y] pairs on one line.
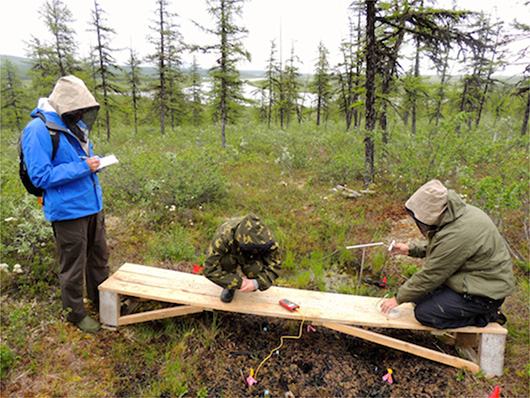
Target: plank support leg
[[491, 354], [109, 309], [404, 346]]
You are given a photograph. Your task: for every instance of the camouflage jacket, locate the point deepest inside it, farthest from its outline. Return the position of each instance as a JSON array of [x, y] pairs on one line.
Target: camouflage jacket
[[244, 242]]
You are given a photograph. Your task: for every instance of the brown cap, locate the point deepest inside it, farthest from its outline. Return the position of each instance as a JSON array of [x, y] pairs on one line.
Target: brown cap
[[429, 202]]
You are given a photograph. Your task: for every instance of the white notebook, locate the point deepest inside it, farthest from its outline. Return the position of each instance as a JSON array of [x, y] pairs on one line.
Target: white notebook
[[107, 161]]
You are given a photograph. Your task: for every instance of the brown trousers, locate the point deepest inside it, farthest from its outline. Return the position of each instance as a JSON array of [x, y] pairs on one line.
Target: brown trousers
[[83, 255]]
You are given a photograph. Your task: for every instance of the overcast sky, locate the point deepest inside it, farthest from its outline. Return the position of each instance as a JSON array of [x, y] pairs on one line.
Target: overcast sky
[[299, 23]]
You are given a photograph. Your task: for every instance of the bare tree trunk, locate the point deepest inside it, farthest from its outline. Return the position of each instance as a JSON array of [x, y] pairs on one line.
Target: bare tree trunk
[[162, 74], [356, 114], [415, 92], [370, 93], [223, 122], [103, 78], [441, 92], [387, 80], [524, 130]]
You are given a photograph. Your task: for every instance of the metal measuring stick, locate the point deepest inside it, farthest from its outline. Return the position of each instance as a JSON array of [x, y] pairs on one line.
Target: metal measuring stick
[[364, 246]]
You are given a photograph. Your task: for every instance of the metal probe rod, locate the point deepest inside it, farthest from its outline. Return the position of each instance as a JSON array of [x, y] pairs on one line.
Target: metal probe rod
[[365, 245]]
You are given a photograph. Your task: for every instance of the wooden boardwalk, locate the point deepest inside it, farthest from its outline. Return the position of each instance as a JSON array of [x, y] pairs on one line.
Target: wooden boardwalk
[[346, 313]]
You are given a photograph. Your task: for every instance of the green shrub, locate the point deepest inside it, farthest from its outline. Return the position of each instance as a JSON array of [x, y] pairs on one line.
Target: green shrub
[[409, 269], [172, 244], [7, 358], [160, 179]]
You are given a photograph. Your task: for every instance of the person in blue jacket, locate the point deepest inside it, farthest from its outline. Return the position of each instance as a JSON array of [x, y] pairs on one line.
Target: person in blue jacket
[[72, 198]]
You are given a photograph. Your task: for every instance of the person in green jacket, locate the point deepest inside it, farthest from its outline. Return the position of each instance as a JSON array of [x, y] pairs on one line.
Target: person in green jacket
[[467, 272], [245, 243]]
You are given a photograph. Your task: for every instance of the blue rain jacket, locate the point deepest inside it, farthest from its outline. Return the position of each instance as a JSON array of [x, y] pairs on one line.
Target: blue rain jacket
[[71, 190]]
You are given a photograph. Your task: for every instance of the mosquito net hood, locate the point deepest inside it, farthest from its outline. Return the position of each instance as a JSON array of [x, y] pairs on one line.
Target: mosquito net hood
[[428, 203], [74, 103]]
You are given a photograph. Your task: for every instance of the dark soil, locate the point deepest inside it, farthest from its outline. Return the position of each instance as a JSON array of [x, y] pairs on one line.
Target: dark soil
[[323, 363]]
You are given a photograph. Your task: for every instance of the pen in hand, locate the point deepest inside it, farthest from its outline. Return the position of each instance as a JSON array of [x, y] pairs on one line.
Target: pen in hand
[[93, 162]]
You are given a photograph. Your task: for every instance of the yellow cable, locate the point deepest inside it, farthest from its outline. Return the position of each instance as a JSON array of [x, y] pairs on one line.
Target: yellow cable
[[281, 342]]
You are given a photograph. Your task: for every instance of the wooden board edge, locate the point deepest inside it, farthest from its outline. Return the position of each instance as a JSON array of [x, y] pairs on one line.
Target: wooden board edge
[[404, 346], [158, 314]]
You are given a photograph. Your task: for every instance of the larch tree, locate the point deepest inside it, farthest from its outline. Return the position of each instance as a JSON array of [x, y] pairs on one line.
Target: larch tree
[[271, 85], [227, 89], [195, 97], [133, 77], [348, 74], [396, 21], [370, 118], [167, 61], [13, 96], [321, 84], [57, 57], [42, 71], [415, 90], [57, 17], [104, 74], [291, 77], [493, 61], [440, 56], [523, 89], [482, 63]]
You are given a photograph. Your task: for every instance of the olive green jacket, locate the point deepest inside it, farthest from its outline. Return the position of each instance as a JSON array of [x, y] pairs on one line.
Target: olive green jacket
[[224, 254], [466, 252]]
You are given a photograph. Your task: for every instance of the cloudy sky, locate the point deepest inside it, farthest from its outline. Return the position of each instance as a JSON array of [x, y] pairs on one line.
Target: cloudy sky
[[299, 23]]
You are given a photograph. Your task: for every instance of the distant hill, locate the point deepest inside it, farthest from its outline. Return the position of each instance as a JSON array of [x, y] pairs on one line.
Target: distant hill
[[24, 65]]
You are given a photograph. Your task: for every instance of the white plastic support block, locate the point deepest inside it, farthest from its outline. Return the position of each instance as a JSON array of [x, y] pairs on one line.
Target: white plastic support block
[[491, 354], [109, 308]]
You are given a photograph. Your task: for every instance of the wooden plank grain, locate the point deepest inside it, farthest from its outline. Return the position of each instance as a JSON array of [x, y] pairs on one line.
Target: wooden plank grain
[[340, 312], [185, 288]]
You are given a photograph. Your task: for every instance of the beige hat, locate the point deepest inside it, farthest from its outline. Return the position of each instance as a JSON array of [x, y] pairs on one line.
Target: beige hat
[[71, 94], [429, 202]]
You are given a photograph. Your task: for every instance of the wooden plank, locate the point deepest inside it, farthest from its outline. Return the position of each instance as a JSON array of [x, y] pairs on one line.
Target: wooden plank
[[404, 346], [158, 314], [195, 290]]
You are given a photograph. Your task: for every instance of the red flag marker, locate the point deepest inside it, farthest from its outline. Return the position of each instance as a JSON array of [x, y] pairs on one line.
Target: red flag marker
[[496, 392]]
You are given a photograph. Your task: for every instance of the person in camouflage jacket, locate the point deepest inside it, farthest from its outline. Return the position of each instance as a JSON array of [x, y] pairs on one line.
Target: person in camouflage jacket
[[467, 272], [247, 243]]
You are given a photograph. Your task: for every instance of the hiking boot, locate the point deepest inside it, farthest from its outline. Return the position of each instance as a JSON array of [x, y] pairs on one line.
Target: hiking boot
[[89, 325], [227, 295], [501, 318]]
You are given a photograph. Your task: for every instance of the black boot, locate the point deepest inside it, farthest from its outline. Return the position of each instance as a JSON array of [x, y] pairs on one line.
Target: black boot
[[501, 318], [227, 295]]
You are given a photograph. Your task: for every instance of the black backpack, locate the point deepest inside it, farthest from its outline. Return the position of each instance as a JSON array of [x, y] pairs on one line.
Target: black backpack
[[55, 131]]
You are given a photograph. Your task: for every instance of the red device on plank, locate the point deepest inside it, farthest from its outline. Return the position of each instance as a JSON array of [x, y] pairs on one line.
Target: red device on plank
[[289, 305]]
